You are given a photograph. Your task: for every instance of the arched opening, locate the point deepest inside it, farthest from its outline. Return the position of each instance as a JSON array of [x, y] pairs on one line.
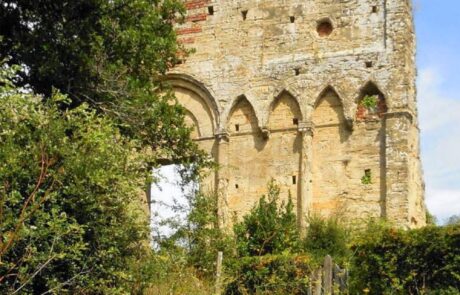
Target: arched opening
[[169, 202], [371, 103], [330, 142], [169, 193]]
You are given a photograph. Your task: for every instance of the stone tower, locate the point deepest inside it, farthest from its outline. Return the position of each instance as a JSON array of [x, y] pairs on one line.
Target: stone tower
[[318, 95]]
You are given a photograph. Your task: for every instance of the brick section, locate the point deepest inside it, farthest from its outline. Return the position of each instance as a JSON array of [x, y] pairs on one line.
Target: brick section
[[196, 17], [187, 40], [195, 4], [187, 31]]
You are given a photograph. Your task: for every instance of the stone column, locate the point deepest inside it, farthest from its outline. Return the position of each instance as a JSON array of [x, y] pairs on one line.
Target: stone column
[[222, 179], [305, 198]]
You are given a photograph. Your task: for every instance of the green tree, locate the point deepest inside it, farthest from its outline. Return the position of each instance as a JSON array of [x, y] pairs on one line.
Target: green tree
[[71, 220], [111, 55]]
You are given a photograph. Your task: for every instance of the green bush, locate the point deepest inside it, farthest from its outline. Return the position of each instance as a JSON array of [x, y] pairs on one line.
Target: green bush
[[270, 227], [394, 261], [71, 220], [271, 274], [327, 237]]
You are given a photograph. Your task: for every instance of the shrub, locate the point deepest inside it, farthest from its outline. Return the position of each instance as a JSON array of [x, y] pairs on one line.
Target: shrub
[[394, 261], [327, 237], [71, 219], [270, 227], [271, 274]]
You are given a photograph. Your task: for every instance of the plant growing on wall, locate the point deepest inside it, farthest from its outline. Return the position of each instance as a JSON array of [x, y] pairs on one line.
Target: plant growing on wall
[[370, 102], [367, 178]]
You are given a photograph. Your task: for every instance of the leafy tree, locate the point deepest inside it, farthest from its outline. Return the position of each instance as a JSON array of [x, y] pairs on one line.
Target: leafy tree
[[71, 219], [111, 55]]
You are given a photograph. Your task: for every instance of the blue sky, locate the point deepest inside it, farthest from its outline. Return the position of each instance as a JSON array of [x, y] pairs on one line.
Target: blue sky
[[437, 27]]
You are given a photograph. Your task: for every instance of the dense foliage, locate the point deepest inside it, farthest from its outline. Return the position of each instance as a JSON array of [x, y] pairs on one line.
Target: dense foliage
[[271, 274], [70, 211], [272, 257], [84, 119], [393, 261], [110, 54], [270, 227]]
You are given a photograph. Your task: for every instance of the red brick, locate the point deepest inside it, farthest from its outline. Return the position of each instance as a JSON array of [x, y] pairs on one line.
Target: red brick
[[196, 4], [197, 17], [186, 31], [187, 40]]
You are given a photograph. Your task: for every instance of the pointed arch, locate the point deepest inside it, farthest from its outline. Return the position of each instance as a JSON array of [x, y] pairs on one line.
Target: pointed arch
[[329, 89], [371, 90], [284, 112], [330, 142], [328, 108], [242, 116]]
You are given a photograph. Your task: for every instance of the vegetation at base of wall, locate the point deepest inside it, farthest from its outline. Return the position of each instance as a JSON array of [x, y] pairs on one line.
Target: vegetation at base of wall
[[272, 257], [270, 227], [395, 261]]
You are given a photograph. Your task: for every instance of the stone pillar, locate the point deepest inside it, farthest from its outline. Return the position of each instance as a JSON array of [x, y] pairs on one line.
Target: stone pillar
[[397, 153], [305, 195], [222, 179]]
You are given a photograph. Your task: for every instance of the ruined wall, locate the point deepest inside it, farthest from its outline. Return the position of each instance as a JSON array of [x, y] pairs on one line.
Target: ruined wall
[[276, 89]]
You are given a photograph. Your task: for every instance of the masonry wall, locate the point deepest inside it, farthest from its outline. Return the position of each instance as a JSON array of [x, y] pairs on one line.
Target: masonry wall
[[275, 89]]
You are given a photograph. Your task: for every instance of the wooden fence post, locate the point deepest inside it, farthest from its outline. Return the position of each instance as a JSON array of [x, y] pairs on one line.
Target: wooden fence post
[[327, 270], [220, 257]]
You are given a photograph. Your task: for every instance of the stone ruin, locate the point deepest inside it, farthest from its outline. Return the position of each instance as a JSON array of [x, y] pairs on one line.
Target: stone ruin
[[318, 95]]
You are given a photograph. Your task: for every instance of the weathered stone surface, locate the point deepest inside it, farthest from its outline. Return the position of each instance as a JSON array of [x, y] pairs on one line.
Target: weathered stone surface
[[271, 97]]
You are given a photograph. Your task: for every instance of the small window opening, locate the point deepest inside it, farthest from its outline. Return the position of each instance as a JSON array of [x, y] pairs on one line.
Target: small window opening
[[236, 185], [244, 13], [294, 179], [367, 178], [297, 71], [369, 64], [292, 19], [237, 127], [324, 28], [295, 121], [211, 10], [374, 9]]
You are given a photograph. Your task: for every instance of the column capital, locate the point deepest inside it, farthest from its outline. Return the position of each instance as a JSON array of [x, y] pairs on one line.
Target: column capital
[[307, 128], [222, 136]]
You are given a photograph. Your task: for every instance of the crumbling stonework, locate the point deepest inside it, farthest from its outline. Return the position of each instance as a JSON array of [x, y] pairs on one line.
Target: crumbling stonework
[[275, 89]]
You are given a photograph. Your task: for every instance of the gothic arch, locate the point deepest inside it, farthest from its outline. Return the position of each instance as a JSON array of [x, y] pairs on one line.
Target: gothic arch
[[284, 111], [330, 142], [241, 116], [370, 89]]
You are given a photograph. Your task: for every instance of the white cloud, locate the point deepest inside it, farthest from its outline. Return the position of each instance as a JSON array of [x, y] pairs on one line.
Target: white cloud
[[439, 114]]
